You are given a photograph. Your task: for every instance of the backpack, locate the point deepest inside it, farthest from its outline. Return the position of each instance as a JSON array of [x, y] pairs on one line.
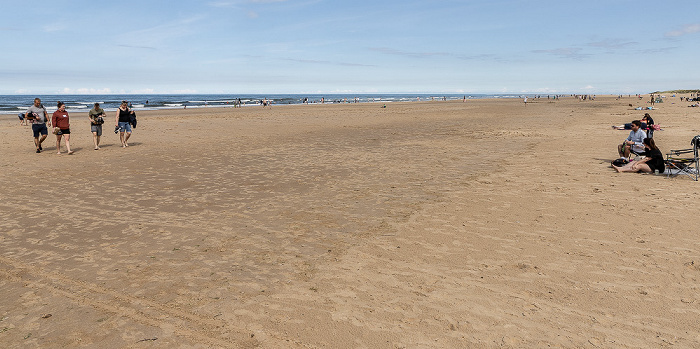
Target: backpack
[[619, 162]]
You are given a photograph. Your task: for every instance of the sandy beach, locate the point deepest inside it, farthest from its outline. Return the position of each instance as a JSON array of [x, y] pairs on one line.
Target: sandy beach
[[485, 224]]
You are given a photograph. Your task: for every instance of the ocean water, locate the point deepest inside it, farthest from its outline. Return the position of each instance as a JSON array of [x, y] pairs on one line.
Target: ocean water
[[15, 104]]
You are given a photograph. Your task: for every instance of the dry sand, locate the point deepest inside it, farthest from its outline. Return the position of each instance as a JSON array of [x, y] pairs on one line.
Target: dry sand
[[435, 224]]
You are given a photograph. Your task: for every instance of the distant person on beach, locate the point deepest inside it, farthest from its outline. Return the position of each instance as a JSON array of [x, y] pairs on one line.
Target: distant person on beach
[[634, 142], [525, 100], [96, 116], [38, 116], [653, 161], [121, 121], [22, 119], [649, 127], [61, 125]]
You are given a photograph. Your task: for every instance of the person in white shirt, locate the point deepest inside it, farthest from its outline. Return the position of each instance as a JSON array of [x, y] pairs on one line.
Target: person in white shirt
[[634, 142]]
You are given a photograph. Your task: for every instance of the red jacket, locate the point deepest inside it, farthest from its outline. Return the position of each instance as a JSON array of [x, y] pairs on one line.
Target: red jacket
[[60, 119]]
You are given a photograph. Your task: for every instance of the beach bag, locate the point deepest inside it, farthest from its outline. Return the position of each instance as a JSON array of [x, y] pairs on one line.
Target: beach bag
[[620, 162]]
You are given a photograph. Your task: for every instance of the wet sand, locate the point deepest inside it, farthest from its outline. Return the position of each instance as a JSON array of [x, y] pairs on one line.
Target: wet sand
[[434, 224]]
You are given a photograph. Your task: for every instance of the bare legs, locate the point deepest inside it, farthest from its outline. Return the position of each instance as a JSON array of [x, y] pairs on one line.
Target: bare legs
[[38, 141], [634, 166], [58, 143], [96, 140], [124, 138], [624, 150]]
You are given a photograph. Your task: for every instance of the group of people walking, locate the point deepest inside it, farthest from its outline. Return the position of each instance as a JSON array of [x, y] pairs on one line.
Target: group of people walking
[[60, 121]]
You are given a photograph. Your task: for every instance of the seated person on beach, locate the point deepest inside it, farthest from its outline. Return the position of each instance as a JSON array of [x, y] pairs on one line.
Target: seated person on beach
[[634, 142], [654, 160]]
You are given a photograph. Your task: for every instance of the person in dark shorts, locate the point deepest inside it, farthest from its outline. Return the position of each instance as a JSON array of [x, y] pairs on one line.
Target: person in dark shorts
[[653, 161], [37, 115], [96, 115], [61, 126]]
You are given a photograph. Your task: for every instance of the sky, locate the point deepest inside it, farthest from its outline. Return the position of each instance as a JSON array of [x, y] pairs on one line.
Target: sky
[[325, 46]]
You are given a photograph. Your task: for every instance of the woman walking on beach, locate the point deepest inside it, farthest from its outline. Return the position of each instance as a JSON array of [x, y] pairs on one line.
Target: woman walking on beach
[[61, 125], [122, 122]]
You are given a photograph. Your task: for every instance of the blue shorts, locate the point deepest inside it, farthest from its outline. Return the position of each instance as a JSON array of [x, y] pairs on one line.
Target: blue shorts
[[39, 128], [124, 127]]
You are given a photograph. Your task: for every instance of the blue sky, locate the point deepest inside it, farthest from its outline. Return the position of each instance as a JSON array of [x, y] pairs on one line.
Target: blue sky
[[317, 46]]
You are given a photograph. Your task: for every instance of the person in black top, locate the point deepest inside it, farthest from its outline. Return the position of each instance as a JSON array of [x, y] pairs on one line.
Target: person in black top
[[654, 160], [650, 125], [122, 124]]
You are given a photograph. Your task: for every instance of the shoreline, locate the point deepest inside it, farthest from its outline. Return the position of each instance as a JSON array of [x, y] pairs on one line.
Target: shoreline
[[226, 101]]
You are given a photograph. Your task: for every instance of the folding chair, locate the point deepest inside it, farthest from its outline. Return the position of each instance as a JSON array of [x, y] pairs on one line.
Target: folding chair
[[680, 162], [633, 152]]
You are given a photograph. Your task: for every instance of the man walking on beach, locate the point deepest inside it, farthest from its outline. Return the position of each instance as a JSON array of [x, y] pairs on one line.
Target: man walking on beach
[[96, 115], [39, 117]]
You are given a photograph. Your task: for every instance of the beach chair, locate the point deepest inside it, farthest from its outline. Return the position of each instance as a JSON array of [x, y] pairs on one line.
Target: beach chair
[[684, 161]]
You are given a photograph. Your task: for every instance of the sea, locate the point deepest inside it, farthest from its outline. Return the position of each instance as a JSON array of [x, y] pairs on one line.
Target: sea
[[15, 104]]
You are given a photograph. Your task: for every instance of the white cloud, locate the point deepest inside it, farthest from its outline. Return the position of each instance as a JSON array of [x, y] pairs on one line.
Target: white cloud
[[143, 91], [184, 92], [686, 29], [84, 91], [543, 90]]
